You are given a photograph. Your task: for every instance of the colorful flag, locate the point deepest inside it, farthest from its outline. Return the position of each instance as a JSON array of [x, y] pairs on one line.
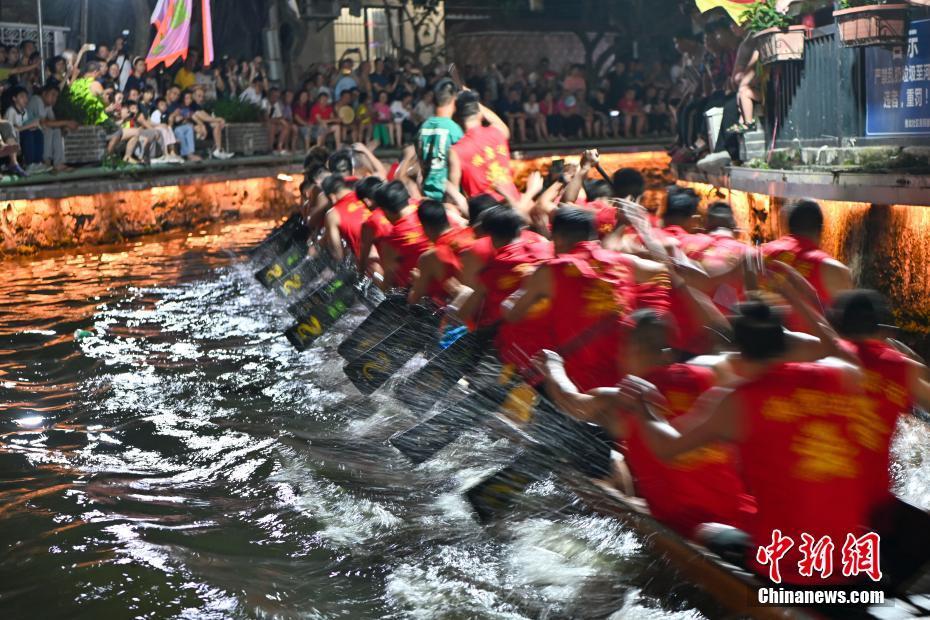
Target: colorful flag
[[734, 8], [172, 21]]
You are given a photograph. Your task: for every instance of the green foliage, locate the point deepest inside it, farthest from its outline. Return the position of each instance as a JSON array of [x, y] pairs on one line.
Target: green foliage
[[85, 110], [763, 15], [236, 111]]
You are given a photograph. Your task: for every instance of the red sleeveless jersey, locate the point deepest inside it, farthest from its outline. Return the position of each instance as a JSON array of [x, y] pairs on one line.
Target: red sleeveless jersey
[[887, 396], [701, 486], [800, 459], [504, 273], [605, 215], [483, 249], [378, 224], [723, 252], [352, 215], [409, 241], [804, 256], [449, 247], [593, 292], [485, 158]]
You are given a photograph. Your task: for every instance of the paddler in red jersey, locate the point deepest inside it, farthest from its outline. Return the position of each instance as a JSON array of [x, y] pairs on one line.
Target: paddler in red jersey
[[375, 226], [793, 428], [477, 256], [719, 252], [343, 222], [480, 161], [591, 290], [607, 217], [697, 488], [401, 247], [514, 258], [438, 274], [894, 381], [800, 249]]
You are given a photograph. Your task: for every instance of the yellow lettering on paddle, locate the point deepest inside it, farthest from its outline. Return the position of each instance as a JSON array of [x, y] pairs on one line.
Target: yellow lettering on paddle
[[519, 403], [311, 328], [292, 284], [276, 271], [380, 364]]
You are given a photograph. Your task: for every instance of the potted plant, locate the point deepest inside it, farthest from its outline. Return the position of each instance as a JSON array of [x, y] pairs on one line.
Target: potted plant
[[776, 39], [871, 22]]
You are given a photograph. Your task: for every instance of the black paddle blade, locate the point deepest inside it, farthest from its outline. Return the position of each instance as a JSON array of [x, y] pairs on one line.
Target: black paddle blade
[[300, 280], [498, 494], [279, 238], [420, 391], [389, 314], [281, 265], [420, 443], [423, 441], [325, 306], [371, 369]]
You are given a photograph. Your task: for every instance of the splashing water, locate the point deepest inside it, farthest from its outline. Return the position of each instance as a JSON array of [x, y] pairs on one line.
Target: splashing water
[[184, 460]]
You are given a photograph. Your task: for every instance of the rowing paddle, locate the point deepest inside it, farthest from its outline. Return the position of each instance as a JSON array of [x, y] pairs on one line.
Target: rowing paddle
[[281, 265], [323, 307], [373, 367], [300, 280], [424, 440], [293, 230], [554, 439], [419, 391], [382, 320]]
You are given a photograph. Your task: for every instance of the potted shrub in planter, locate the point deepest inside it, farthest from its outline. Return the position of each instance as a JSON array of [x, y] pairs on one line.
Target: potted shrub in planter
[[870, 22], [776, 40]]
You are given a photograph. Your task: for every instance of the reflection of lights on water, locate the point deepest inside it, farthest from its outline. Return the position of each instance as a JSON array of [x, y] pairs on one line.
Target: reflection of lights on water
[[31, 421]]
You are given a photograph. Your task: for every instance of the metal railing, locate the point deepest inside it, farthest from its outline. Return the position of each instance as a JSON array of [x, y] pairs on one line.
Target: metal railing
[[820, 99]]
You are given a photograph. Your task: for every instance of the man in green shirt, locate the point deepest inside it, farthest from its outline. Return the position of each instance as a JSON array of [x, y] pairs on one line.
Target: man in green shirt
[[435, 139]]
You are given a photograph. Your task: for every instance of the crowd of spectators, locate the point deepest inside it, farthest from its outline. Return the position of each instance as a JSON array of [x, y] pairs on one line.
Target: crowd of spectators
[[173, 115]]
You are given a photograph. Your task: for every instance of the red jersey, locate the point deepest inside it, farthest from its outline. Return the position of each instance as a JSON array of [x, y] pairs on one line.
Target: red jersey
[[605, 215], [352, 214], [485, 158], [378, 224], [594, 291], [701, 486], [483, 249], [887, 396], [449, 247], [724, 252], [800, 459], [804, 256], [409, 241], [502, 275]]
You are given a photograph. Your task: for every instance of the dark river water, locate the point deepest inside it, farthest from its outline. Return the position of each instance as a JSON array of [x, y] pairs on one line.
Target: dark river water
[[183, 461]]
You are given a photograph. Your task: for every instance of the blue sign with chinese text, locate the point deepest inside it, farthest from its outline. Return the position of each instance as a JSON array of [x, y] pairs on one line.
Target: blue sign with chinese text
[[897, 84]]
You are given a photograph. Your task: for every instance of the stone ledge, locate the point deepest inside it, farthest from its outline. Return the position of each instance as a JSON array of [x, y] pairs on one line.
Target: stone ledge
[[877, 188]]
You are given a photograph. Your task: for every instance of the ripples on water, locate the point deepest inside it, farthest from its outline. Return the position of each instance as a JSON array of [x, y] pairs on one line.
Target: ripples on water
[[185, 461]]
